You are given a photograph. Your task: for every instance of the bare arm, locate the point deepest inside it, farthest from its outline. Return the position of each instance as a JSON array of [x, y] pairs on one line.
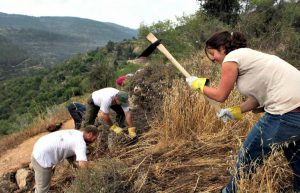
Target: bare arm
[[106, 118], [128, 118], [229, 75], [250, 104]]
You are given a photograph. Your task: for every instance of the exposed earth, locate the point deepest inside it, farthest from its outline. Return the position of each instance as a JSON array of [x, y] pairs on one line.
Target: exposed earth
[[19, 156]]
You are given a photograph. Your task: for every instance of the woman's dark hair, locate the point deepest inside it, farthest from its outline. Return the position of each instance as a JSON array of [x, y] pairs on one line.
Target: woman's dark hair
[[230, 41]]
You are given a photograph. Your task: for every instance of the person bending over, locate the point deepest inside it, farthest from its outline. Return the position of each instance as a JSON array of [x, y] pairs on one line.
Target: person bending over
[[269, 82], [52, 148]]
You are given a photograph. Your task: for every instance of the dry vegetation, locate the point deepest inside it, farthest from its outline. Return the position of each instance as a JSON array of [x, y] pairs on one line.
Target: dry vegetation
[[187, 149], [55, 114]]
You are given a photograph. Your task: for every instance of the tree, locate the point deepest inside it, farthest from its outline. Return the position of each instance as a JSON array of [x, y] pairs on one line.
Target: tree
[[110, 46], [100, 75], [119, 52], [224, 10]]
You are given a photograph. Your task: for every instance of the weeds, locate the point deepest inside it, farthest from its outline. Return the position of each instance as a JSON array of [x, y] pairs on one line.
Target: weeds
[[106, 176]]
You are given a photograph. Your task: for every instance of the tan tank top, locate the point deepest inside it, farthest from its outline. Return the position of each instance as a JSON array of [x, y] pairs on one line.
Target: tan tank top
[[272, 81]]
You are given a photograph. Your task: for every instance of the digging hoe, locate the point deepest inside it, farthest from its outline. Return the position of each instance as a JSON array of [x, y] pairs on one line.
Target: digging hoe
[[155, 43]]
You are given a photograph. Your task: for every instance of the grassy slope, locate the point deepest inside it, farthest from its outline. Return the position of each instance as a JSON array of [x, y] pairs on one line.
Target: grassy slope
[[187, 149]]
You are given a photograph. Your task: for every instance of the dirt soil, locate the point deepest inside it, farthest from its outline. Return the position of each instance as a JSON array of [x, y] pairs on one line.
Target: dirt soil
[[19, 157]]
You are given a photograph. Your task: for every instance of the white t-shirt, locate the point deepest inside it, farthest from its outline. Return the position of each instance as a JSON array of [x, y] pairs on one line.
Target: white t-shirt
[[54, 147], [104, 99], [273, 82]]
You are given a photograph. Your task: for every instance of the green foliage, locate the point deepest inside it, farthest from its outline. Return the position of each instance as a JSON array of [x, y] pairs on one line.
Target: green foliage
[[126, 68], [269, 26], [10, 53], [100, 75], [110, 46], [31, 42], [7, 127], [16, 122], [225, 10], [159, 27], [196, 29], [260, 5], [24, 97], [171, 35], [31, 95], [289, 48]]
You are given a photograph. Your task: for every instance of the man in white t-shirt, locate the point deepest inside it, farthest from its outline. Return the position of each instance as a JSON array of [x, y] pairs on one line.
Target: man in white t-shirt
[[105, 99], [50, 149]]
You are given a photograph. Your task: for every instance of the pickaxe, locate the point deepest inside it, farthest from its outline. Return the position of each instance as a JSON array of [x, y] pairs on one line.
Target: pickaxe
[[156, 44]]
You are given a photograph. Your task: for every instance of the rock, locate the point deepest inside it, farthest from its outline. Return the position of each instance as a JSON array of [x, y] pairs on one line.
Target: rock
[[24, 177]]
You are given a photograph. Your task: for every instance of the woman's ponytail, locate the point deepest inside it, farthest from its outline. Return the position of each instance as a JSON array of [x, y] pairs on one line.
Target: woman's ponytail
[[229, 40], [237, 41]]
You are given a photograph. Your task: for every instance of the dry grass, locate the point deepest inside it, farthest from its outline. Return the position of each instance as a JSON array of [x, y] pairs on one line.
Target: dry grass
[[103, 176], [53, 115], [188, 149], [196, 150]]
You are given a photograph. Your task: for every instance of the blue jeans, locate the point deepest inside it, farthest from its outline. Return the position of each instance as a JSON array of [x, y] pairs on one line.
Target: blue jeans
[[76, 111], [270, 130]]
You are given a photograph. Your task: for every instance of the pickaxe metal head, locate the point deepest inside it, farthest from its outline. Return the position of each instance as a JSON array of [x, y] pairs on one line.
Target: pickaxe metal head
[[149, 49]]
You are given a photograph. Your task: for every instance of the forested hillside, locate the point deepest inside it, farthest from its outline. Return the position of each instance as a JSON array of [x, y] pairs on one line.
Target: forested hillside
[[24, 97], [269, 26], [32, 42]]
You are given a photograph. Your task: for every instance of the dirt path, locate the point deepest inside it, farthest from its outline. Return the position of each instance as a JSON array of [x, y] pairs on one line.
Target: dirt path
[[20, 156]]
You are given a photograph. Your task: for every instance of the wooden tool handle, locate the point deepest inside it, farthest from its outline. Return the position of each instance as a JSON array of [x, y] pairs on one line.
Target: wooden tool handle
[[163, 50]]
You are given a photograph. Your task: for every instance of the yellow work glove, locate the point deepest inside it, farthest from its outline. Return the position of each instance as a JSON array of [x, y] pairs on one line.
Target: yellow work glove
[[116, 129], [230, 113], [131, 132], [197, 83]]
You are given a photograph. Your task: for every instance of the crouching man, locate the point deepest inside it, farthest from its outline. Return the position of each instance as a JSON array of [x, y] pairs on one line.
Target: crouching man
[[50, 149], [105, 99]]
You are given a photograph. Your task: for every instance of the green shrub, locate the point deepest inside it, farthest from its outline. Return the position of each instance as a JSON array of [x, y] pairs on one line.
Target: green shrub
[[7, 127], [100, 75]]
